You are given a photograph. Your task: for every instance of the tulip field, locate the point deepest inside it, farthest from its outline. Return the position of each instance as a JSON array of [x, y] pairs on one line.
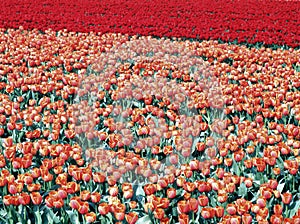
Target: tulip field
[[149, 112]]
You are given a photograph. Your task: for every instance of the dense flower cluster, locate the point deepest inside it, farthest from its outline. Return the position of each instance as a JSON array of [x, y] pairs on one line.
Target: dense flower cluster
[[271, 22], [250, 172]]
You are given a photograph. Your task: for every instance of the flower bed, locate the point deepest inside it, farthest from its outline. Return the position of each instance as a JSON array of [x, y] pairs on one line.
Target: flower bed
[[115, 128], [271, 22]]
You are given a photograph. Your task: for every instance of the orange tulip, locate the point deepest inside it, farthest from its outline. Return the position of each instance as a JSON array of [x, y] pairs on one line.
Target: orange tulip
[[189, 186], [99, 177], [49, 201], [278, 209], [103, 208], [95, 197], [90, 217], [72, 187], [219, 211], [203, 200], [83, 207], [183, 218], [36, 198], [286, 198], [231, 209], [119, 215], [132, 204], [74, 202], [7, 200], [183, 207], [171, 193], [3, 181], [85, 195], [150, 189], [247, 218], [193, 204], [131, 217], [207, 213], [159, 213], [24, 199]]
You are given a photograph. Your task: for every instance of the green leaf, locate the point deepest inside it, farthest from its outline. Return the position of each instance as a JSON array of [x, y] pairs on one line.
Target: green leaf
[[174, 211], [280, 187], [49, 219], [73, 216], [255, 197], [109, 215], [37, 215], [3, 213], [144, 220], [140, 191], [295, 209], [52, 217], [242, 190], [196, 140], [280, 163], [235, 168]]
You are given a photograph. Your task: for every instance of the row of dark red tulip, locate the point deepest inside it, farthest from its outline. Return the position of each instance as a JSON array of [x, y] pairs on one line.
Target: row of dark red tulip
[[271, 22]]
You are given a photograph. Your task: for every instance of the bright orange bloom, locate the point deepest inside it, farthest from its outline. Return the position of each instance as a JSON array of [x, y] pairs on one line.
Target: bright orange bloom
[[131, 217], [36, 198], [103, 208], [83, 207], [183, 206], [90, 217], [183, 218]]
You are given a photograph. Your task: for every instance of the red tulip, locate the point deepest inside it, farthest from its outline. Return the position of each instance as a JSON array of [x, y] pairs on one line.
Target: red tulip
[[183, 207], [207, 213], [203, 200], [83, 207], [183, 218], [286, 198], [103, 208], [90, 217], [131, 217]]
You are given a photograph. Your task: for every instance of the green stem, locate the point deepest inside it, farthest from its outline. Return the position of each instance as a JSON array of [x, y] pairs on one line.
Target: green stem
[[193, 217], [294, 185], [25, 212], [10, 218]]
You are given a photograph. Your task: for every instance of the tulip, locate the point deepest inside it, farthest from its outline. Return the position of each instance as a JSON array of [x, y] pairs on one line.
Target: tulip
[[131, 217], [183, 218], [207, 213], [261, 202], [7, 200], [193, 204], [49, 201], [183, 207], [203, 200], [247, 218], [171, 193], [159, 213], [286, 198], [62, 193], [58, 203], [219, 211], [24, 199], [85, 195], [231, 209], [90, 217], [150, 189], [278, 209], [83, 207], [103, 208]]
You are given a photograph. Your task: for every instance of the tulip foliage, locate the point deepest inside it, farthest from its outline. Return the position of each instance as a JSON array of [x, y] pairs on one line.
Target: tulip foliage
[[99, 127]]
